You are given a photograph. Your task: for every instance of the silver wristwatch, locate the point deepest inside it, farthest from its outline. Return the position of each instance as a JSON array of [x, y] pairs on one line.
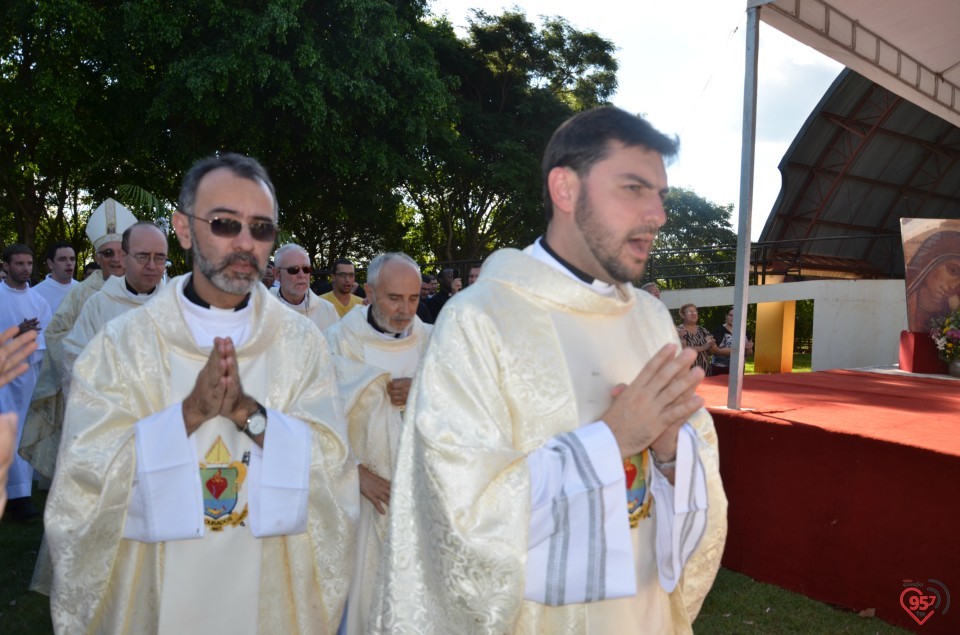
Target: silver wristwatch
[[256, 422]]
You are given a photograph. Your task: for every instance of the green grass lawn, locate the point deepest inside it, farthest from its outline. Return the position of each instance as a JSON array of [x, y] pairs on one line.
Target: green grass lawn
[[801, 364], [22, 612], [737, 604]]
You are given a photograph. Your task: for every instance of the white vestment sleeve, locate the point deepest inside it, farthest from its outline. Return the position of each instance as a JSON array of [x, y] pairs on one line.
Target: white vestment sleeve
[[280, 478], [579, 547], [681, 509], [166, 499]]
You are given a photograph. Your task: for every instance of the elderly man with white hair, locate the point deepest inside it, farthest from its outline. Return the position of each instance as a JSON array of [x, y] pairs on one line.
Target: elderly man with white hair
[[388, 340], [293, 269]]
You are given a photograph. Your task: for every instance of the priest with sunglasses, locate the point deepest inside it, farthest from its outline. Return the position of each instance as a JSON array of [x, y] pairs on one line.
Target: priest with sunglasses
[[204, 483], [293, 271], [41, 429]]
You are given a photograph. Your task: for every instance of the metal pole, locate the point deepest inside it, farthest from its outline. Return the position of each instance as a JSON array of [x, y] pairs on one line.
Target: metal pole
[[747, 160]]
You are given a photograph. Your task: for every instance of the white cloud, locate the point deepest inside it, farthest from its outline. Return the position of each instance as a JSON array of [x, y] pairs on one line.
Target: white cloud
[[682, 65]]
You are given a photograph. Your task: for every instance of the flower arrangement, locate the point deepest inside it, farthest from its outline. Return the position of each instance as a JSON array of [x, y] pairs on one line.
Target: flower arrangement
[[945, 331]]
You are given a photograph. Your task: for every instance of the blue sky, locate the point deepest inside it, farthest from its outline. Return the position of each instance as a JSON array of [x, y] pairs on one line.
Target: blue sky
[[681, 64]]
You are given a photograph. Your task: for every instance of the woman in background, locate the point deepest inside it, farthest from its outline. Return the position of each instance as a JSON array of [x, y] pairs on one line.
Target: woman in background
[[694, 336], [723, 336]]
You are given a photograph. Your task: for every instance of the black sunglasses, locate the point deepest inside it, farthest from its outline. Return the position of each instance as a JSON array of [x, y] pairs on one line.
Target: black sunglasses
[[307, 269], [264, 231], [109, 253]]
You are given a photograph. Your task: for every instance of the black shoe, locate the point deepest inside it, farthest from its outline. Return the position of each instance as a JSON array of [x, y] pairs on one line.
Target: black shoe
[[20, 510]]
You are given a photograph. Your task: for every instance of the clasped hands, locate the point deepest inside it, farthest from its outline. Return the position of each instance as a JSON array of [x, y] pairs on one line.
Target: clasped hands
[[649, 412], [218, 390]]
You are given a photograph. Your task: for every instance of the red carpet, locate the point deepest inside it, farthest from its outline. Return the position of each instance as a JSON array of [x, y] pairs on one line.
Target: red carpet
[[843, 485]]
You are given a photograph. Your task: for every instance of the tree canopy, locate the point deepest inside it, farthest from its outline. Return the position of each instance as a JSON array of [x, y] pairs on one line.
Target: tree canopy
[[512, 84], [331, 96], [697, 245], [381, 126]]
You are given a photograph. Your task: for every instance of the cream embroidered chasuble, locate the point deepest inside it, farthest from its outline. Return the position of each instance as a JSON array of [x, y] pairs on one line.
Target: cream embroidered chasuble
[[600, 352], [113, 300], [494, 386], [225, 562], [41, 430], [320, 312], [375, 426], [105, 583]]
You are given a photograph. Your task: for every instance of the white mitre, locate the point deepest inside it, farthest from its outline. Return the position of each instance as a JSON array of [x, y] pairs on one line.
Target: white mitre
[[108, 222]]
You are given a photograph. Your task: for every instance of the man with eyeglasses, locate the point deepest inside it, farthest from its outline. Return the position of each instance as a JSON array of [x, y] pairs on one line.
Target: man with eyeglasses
[[62, 262], [342, 297], [205, 481], [144, 246], [293, 270], [41, 430], [387, 340]]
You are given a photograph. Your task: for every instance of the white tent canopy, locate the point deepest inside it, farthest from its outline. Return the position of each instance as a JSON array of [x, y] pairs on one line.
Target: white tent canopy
[[909, 47]]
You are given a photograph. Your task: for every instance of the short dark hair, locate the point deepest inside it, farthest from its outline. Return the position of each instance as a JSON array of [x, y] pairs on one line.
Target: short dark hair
[[57, 246], [15, 249], [341, 261], [428, 278], [125, 237], [584, 139], [243, 166]]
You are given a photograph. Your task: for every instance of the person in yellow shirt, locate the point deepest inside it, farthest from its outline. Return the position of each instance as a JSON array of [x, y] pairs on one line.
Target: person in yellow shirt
[[342, 297]]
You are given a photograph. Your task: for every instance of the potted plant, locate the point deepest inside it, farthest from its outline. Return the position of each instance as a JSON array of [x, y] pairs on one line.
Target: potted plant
[[945, 331]]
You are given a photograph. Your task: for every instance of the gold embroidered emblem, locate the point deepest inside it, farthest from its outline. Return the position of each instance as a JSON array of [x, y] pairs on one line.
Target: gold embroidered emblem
[[218, 454], [639, 500], [222, 480]]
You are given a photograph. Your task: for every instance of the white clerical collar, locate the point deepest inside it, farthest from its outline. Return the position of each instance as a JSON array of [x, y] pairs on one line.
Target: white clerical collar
[[537, 252], [133, 293], [303, 305], [206, 323]]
